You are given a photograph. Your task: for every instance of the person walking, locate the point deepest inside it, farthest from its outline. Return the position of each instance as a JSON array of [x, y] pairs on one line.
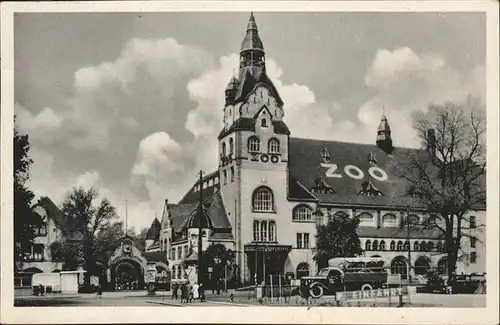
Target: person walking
[[99, 291], [184, 293], [190, 293], [175, 291], [196, 294]]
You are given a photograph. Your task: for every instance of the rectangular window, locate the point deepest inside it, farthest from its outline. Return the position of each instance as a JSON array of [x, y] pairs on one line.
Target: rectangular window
[[306, 240], [186, 250], [38, 252], [173, 253], [472, 222], [302, 240], [473, 257], [179, 253], [232, 174], [225, 176], [473, 242]]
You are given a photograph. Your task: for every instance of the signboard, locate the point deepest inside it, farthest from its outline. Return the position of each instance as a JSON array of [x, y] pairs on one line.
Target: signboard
[[355, 172], [375, 293]]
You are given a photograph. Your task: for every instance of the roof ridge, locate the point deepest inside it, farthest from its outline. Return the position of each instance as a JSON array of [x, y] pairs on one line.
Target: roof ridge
[[351, 143]]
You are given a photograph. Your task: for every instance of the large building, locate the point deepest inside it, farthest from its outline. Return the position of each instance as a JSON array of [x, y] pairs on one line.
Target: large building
[[271, 191]]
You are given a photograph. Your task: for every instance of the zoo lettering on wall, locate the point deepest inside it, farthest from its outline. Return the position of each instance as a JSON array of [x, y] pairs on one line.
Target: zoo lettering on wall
[[354, 172], [265, 157]]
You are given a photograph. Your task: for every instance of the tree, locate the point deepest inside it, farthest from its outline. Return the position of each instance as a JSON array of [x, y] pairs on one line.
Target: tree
[[84, 220], [448, 181], [216, 256], [107, 241], [25, 220], [338, 238]]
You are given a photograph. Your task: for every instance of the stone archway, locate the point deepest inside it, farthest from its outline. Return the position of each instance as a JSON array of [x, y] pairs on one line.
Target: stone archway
[[422, 265], [399, 266], [127, 274]]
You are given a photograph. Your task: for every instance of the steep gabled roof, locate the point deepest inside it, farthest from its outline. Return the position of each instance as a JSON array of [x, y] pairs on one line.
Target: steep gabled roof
[[305, 165], [214, 209], [52, 210], [154, 230]]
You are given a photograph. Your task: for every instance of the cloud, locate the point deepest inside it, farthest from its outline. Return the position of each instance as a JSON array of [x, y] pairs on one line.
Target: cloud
[[405, 82], [42, 126]]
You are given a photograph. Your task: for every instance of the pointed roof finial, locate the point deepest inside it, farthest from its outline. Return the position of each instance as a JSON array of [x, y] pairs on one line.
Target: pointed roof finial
[[251, 22]]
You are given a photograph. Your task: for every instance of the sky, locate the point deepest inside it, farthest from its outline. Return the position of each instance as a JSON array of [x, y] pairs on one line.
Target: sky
[[131, 103]]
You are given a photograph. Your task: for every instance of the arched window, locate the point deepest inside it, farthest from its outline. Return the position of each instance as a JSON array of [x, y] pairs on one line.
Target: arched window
[[423, 246], [407, 245], [399, 266], [382, 245], [400, 245], [223, 149], [224, 172], [392, 246], [412, 219], [231, 146], [256, 233], [368, 245], [263, 231], [263, 123], [179, 252], [231, 174], [302, 270], [389, 220], [272, 231], [365, 217], [375, 245], [274, 146], [263, 200], [439, 246], [302, 213], [253, 144], [442, 266], [422, 265], [416, 246], [430, 246]]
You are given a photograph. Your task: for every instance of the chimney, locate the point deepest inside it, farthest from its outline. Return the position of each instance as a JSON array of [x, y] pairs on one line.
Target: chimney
[[431, 142]]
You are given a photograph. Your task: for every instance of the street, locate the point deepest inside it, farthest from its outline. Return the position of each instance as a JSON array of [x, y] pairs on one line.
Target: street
[[241, 299]]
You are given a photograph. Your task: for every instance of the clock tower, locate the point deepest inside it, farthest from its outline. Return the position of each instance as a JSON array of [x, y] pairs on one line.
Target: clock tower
[[253, 145]]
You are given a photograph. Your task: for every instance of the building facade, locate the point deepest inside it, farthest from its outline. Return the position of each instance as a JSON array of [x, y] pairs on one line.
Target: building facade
[[271, 191]]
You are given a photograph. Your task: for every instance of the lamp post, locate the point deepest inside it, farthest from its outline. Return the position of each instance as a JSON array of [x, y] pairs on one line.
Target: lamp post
[[200, 229]]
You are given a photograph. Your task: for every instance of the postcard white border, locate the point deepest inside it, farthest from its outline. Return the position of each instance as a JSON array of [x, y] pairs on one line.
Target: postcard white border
[[292, 315]]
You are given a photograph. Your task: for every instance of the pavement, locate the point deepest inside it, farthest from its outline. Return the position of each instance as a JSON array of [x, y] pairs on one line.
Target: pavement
[[241, 299]]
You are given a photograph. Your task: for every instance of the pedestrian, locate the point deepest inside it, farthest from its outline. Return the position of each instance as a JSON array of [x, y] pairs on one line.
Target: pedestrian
[[99, 291], [184, 293], [196, 294], [217, 286], [201, 291], [175, 291], [42, 290], [191, 294]]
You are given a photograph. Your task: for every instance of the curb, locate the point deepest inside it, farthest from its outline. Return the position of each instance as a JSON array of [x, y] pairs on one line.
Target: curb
[[164, 303]]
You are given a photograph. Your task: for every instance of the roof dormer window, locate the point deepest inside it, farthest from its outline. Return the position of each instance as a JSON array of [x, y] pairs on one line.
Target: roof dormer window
[[325, 155]]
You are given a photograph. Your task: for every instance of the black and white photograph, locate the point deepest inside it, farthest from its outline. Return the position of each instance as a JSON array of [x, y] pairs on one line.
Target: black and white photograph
[[221, 155]]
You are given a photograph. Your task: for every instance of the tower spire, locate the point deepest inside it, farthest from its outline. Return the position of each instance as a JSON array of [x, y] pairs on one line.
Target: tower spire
[[384, 139]]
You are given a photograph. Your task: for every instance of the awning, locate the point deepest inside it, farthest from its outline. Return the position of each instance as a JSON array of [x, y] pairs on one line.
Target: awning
[[267, 247]]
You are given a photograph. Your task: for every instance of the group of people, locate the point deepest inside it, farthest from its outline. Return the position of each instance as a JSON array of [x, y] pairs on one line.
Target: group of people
[[189, 293]]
